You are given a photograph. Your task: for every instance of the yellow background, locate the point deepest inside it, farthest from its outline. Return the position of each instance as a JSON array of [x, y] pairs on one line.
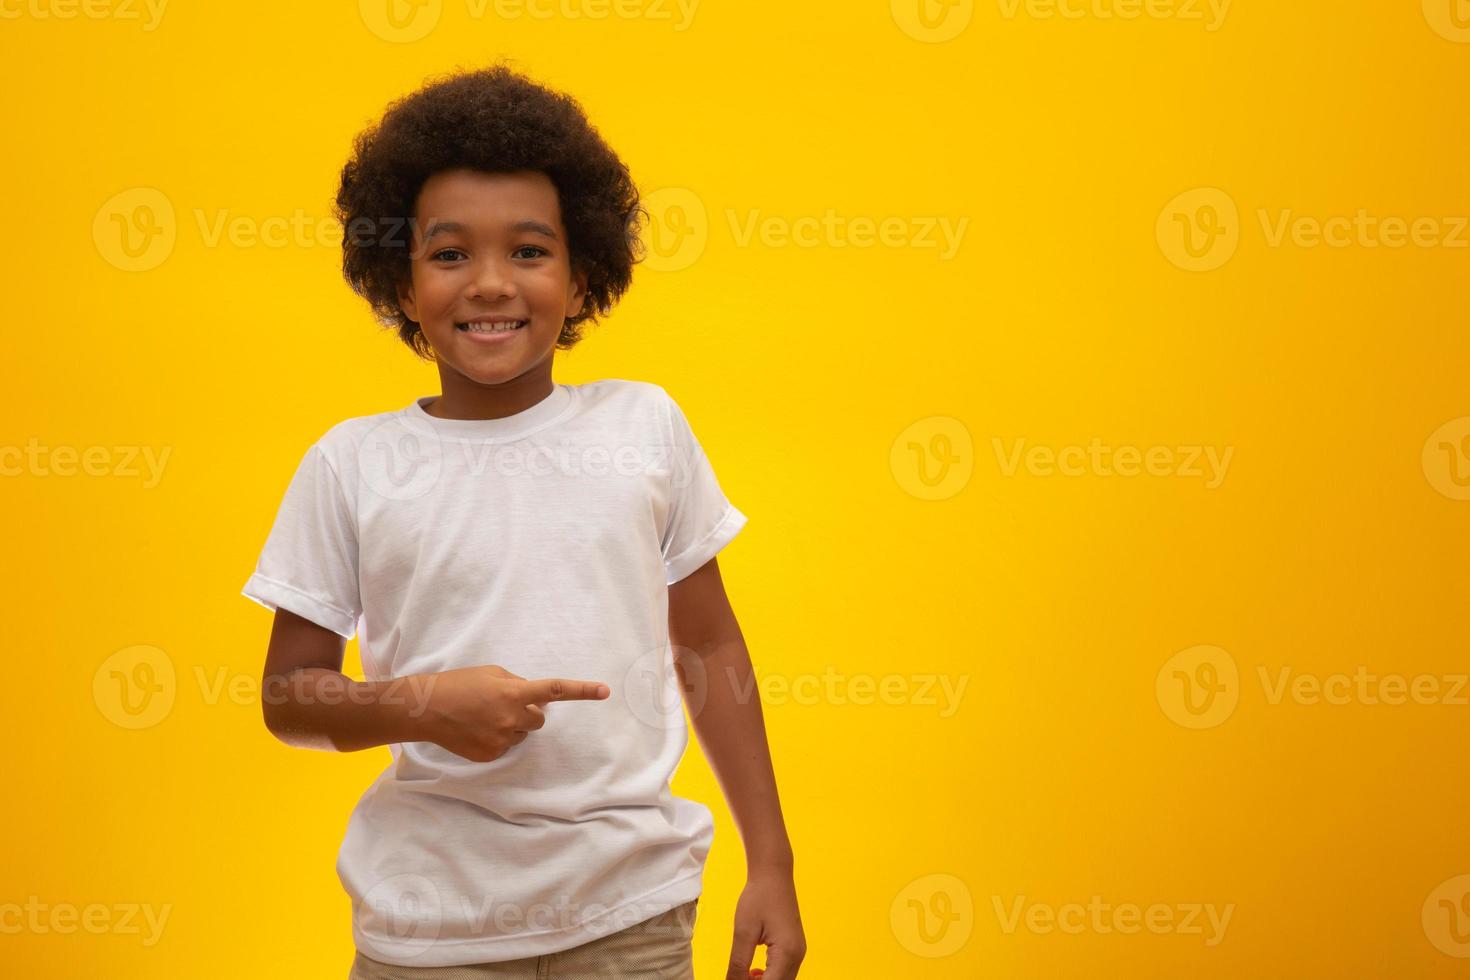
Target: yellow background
[[1333, 544]]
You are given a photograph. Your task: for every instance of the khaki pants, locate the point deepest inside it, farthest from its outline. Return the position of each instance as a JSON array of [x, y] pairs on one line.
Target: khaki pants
[[655, 949]]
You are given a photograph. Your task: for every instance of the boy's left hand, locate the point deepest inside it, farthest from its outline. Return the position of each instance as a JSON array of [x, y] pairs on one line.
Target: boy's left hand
[[767, 915]]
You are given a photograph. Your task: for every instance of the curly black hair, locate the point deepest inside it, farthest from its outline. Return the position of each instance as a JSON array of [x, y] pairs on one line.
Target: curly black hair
[[494, 120]]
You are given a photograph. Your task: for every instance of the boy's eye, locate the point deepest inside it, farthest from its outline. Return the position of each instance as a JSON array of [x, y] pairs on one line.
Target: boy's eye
[[533, 248]]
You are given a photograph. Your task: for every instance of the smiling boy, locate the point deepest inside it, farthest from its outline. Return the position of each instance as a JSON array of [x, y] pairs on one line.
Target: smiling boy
[[509, 545]]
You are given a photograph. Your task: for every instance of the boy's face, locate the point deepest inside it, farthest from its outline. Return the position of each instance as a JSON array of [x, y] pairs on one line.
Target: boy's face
[[490, 245]]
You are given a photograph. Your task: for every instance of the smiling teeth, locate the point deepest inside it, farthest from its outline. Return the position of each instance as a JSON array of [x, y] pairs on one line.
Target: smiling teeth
[[494, 327]]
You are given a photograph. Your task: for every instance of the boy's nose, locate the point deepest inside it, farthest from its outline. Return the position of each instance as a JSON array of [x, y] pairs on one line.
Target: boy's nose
[[494, 279]]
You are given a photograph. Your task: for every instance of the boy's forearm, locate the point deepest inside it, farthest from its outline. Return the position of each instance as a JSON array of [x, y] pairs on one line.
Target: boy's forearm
[[731, 730], [324, 709]]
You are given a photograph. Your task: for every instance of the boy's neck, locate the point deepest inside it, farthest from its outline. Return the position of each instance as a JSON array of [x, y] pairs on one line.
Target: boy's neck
[[463, 399]]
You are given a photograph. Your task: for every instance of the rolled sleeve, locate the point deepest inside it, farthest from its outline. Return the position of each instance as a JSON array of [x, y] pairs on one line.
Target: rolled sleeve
[[701, 519], [309, 565]]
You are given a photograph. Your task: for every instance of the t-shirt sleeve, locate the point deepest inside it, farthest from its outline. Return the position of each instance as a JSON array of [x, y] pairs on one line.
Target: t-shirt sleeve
[[701, 520], [309, 563]]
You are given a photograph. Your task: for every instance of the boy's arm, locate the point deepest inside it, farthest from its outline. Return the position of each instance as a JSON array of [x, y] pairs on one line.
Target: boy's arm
[[309, 703], [478, 713], [728, 721]]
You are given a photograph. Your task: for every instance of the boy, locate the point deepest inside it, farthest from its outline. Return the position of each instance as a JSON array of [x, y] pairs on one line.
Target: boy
[[507, 545]]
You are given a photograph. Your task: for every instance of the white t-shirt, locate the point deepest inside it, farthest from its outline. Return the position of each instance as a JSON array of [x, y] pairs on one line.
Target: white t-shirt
[[543, 542]]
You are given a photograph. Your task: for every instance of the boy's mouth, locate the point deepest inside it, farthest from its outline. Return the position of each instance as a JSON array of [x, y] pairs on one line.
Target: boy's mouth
[[490, 326]]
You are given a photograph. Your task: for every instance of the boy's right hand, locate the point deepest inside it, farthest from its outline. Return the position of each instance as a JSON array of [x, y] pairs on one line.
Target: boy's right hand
[[478, 713]]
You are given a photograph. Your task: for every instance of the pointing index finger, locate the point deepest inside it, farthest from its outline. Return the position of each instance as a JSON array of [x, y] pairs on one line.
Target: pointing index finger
[[560, 689]]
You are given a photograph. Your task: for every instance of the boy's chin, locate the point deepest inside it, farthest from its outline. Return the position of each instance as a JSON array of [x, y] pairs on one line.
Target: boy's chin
[[492, 375], [492, 370]]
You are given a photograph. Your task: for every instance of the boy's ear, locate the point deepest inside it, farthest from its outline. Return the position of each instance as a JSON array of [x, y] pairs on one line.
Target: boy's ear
[[406, 301], [577, 292]]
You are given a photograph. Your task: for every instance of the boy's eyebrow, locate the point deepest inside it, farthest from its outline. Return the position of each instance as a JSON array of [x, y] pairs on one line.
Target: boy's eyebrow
[[455, 227]]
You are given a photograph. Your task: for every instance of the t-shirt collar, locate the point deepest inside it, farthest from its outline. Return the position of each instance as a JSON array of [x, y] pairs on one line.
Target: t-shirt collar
[[538, 416]]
